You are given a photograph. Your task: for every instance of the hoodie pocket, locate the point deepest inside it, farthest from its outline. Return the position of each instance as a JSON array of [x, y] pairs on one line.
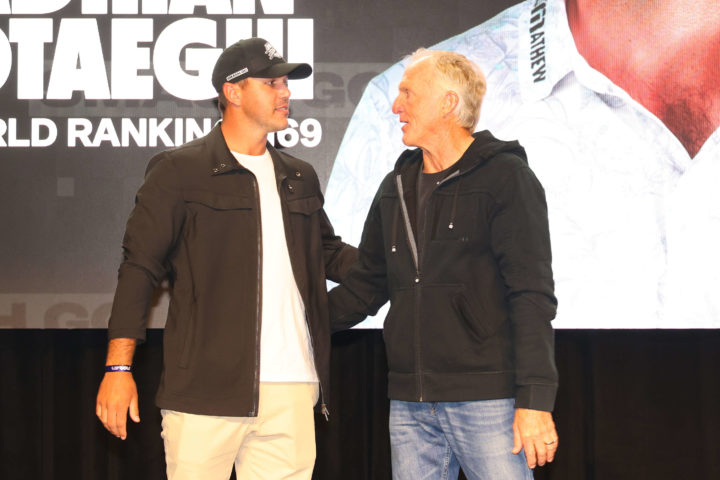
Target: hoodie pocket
[[398, 330], [465, 312], [458, 334]]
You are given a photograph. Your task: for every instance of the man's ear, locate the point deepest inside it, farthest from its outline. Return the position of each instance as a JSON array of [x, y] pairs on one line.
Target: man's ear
[[450, 103], [232, 93]]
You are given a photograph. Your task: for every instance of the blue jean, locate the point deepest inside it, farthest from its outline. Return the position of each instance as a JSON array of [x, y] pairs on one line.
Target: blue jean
[[432, 440]]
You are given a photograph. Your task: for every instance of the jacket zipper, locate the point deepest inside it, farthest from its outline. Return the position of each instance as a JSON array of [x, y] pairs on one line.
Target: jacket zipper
[[415, 255], [413, 249], [323, 406], [258, 316]]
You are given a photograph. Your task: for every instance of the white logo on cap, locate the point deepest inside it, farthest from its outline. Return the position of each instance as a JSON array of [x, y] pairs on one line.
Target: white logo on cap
[[236, 74], [271, 52]]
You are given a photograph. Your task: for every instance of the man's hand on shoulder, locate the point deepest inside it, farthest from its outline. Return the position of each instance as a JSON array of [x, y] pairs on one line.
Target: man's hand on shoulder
[[534, 431]]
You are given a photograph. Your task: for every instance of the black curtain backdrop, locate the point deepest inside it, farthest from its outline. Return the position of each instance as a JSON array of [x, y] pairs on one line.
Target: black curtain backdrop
[[631, 405]]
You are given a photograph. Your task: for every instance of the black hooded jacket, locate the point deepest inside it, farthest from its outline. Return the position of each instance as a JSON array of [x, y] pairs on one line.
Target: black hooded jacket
[[471, 319]]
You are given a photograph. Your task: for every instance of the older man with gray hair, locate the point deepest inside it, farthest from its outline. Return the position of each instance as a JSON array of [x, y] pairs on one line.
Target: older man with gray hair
[[457, 239]]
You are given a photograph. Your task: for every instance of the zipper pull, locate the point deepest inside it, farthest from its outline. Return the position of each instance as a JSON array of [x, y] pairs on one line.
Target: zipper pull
[[324, 410]]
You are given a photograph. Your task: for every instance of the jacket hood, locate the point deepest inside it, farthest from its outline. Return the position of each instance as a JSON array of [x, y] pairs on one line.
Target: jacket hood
[[484, 148]]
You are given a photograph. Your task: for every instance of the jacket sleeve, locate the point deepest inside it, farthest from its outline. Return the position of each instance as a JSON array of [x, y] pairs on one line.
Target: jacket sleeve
[[153, 228], [338, 256], [364, 289], [521, 244]]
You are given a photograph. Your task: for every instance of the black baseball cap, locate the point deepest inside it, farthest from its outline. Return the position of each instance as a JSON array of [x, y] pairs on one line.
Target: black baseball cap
[[254, 57]]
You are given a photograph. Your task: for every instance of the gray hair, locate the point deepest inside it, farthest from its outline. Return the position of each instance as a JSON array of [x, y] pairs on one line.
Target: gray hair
[[462, 76]]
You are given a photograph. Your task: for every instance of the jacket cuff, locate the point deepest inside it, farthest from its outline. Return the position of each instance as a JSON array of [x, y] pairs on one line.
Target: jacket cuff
[[536, 397]]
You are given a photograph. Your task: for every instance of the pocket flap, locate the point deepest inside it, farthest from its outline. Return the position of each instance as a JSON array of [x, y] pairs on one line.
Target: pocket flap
[[306, 205], [219, 201]]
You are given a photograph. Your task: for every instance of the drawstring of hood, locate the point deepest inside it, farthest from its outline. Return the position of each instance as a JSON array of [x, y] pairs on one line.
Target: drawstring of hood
[[483, 148], [451, 225], [396, 218]]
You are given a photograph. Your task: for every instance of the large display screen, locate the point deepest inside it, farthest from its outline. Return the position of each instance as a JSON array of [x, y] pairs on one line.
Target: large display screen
[[616, 103]]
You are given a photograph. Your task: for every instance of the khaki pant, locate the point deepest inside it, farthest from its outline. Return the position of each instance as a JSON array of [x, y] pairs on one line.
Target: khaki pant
[[278, 444]]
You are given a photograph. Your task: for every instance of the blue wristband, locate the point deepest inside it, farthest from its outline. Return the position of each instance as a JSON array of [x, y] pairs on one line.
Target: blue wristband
[[118, 368]]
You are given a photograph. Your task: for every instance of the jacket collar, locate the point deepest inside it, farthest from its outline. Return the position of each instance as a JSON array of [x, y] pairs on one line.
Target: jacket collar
[[484, 147], [223, 161]]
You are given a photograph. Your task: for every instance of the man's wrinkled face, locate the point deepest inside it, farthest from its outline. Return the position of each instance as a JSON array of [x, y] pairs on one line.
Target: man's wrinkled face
[[418, 103]]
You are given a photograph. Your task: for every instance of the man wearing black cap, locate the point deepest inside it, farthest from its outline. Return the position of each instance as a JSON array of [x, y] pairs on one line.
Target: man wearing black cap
[[246, 342]]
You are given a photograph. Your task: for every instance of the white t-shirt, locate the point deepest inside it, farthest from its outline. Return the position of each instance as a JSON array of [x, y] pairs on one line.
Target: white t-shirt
[[634, 221], [285, 345]]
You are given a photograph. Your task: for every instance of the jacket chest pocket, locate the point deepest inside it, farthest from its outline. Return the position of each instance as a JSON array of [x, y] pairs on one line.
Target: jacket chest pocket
[[218, 202], [306, 206], [216, 215], [303, 218], [455, 218]]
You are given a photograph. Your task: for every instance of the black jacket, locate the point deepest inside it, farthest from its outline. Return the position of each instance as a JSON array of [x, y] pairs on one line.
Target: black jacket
[[197, 222], [471, 319]]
